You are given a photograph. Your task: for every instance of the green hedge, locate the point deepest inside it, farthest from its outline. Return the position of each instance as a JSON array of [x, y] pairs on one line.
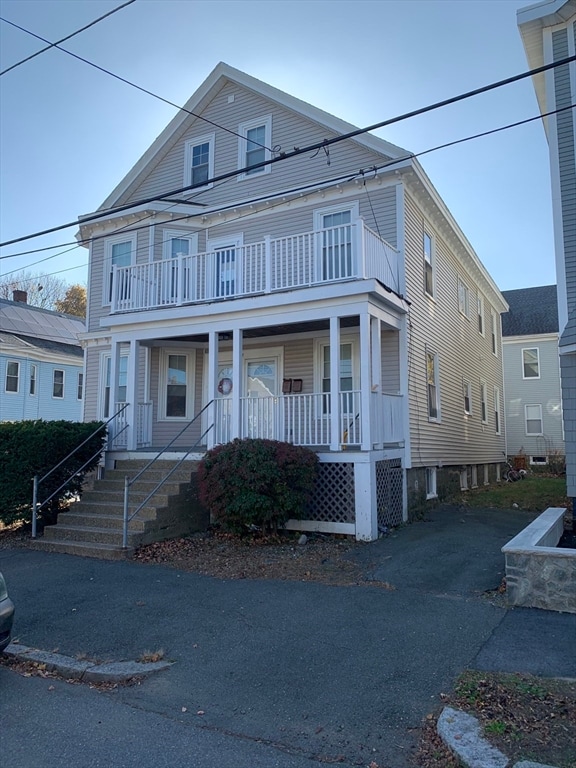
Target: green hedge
[[254, 482], [29, 448]]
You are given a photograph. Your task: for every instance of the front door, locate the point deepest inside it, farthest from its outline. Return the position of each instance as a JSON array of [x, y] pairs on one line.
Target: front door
[[225, 256]]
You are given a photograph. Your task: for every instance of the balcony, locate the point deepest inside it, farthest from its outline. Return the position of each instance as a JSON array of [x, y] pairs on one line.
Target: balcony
[[346, 252]]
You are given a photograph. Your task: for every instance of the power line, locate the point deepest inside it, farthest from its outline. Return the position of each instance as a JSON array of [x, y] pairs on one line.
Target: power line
[[299, 151], [130, 83], [57, 43]]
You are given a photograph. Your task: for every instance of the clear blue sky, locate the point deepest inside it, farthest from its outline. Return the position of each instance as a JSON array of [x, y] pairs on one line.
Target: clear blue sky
[[69, 133]]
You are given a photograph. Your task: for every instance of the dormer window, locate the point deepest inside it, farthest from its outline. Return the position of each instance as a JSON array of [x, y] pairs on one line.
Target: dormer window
[[256, 138], [199, 161]]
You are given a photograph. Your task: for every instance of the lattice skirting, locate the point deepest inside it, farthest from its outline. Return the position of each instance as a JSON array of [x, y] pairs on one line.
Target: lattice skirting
[[389, 492], [334, 500]]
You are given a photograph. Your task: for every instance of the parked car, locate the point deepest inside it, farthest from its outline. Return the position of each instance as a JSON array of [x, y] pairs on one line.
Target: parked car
[[6, 614]]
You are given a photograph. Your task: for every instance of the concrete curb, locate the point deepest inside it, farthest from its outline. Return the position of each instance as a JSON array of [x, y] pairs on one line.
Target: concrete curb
[[86, 671], [462, 734]]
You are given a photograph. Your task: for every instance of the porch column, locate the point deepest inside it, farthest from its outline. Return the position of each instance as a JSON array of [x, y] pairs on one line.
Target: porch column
[[211, 437], [376, 390], [237, 378], [335, 425], [118, 423], [132, 395], [365, 381], [365, 497]]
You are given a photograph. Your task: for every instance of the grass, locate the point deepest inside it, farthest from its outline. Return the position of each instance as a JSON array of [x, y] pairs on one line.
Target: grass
[[534, 494]]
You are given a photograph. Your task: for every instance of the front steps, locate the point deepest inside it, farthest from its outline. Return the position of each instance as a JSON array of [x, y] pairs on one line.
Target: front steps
[[93, 526]]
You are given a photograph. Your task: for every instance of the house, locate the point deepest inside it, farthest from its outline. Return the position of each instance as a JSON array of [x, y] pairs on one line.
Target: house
[[532, 393], [41, 363], [325, 298], [548, 32]]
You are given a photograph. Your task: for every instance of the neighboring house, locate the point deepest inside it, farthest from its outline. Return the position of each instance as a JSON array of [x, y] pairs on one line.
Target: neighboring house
[[305, 301], [41, 363], [532, 396], [548, 32]]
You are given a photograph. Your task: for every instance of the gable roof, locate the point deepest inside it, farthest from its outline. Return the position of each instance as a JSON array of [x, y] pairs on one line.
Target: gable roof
[[221, 74], [39, 327], [532, 311]]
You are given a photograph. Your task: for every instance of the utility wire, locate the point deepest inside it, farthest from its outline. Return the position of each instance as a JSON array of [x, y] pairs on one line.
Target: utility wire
[[57, 43], [129, 82], [299, 151]]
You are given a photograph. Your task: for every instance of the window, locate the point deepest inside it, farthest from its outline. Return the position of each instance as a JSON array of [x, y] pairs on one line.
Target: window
[[33, 379], [177, 374], [483, 403], [346, 377], [176, 286], [481, 329], [432, 386], [467, 392], [199, 161], [533, 419], [463, 298], [497, 410], [539, 460], [119, 254], [254, 146], [80, 386], [431, 491], [58, 384], [122, 384], [428, 265], [494, 332], [12, 376], [530, 363]]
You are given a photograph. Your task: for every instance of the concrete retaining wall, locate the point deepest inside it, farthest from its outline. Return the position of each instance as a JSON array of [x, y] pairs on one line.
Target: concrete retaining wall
[[538, 573]]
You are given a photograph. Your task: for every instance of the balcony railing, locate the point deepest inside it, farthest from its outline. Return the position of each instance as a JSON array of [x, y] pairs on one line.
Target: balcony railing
[[273, 264]]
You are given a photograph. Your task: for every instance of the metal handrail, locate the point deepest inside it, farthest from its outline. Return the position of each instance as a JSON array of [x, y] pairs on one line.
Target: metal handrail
[[36, 482], [128, 482]]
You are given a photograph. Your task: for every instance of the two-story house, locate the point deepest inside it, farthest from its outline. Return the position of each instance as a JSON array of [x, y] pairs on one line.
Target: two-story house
[[41, 363], [548, 31], [532, 393], [328, 299]]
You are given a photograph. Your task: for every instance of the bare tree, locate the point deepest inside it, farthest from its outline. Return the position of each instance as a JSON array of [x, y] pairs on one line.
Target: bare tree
[[74, 301], [43, 290]]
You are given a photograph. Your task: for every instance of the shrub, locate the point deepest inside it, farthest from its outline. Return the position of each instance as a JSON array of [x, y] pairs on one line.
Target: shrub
[[255, 482], [29, 448]]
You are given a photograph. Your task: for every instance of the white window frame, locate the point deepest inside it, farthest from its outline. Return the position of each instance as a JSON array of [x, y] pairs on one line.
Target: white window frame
[[431, 483], [436, 384], [429, 261], [467, 394], [54, 372], [463, 298], [80, 386], [320, 346], [526, 419], [530, 349], [210, 139], [105, 357], [243, 129], [497, 412], [483, 402], [33, 385], [494, 332], [481, 315], [108, 248], [173, 234], [17, 377], [190, 355]]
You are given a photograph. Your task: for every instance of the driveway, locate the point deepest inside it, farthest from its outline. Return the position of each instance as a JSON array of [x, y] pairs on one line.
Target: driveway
[[285, 673]]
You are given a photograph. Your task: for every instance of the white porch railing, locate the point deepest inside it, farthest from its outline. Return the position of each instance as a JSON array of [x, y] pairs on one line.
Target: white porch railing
[[118, 432], [273, 264]]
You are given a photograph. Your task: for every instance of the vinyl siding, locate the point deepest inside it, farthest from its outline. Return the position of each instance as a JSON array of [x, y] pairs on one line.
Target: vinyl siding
[[463, 354], [544, 391]]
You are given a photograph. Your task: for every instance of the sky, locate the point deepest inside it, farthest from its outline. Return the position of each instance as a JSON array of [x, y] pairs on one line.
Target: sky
[[69, 133]]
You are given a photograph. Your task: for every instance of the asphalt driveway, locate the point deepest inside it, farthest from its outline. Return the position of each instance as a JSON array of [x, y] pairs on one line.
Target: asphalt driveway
[[305, 672]]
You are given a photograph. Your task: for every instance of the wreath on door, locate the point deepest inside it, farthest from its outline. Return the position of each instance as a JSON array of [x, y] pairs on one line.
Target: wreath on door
[[225, 386]]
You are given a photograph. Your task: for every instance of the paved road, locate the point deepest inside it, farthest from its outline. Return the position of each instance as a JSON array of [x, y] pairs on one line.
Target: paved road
[[285, 673]]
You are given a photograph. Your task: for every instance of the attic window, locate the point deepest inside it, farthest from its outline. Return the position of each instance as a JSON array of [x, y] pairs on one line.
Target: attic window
[[199, 161], [253, 146]]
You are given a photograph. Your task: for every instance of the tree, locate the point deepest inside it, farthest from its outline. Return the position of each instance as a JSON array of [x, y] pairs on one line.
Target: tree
[[43, 290], [74, 301]]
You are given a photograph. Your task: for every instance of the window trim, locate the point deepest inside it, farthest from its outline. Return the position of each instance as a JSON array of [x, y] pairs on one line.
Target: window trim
[[497, 411], [243, 128], [431, 483], [174, 234], [533, 434], [431, 262], [483, 402], [481, 315], [54, 372], [17, 377], [467, 394], [208, 138], [494, 332], [463, 298], [80, 386], [104, 358], [319, 346], [110, 242], [436, 363], [33, 383], [530, 378], [164, 356]]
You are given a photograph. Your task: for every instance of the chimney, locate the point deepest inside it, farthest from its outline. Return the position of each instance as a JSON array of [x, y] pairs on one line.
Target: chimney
[[21, 296]]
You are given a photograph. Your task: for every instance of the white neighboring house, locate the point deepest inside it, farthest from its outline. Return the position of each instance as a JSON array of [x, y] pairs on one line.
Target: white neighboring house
[[532, 392], [548, 32], [41, 363], [304, 301]]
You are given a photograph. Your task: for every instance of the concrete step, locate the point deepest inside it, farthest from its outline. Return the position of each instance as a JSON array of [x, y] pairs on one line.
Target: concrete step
[[83, 549], [136, 497], [83, 534], [114, 508], [104, 520], [140, 486]]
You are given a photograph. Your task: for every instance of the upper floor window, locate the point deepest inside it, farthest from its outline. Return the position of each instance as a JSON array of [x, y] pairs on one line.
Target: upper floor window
[[432, 386], [199, 161], [428, 264], [12, 376], [463, 298], [497, 419], [530, 363], [80, 386], [481, 329], [58, 383], [533, 419], [33, 379], [494, 332], [467, 392], [119, 253], [179, 243], [254, 146], [483, 403]]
